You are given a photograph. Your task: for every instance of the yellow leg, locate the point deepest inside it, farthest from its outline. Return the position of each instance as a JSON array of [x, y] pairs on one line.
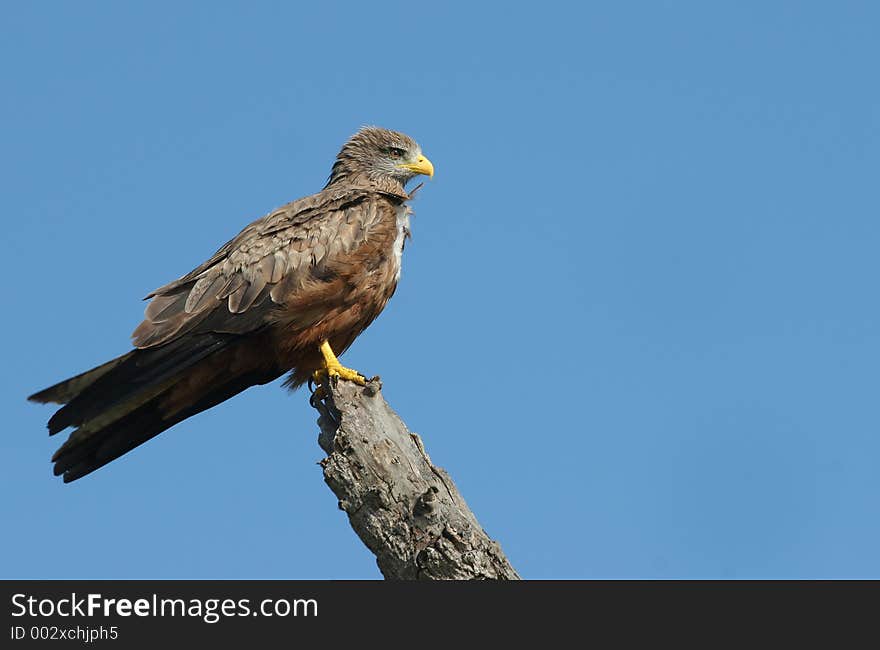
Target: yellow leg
[[334, 370]]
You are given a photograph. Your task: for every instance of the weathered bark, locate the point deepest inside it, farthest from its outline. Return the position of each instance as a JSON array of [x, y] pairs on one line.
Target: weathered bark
[[407, 511]]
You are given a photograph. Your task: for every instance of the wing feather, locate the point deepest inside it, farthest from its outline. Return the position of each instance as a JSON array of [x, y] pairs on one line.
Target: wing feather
[[164, 307], [203, 293], [246, 294], [267, 265], [233, 283]]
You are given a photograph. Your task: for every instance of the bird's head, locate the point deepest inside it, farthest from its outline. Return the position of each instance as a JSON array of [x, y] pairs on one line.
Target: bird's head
[[380, 155]]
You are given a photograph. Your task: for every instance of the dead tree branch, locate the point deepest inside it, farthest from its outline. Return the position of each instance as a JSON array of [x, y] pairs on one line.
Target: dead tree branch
[[407, 511]]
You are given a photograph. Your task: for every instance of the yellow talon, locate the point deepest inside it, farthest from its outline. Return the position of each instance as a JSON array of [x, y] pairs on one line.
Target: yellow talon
[[334, 370], [338, 372]]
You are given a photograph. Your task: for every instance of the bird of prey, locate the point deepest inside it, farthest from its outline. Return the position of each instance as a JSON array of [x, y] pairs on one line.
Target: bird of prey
[[288, 294]]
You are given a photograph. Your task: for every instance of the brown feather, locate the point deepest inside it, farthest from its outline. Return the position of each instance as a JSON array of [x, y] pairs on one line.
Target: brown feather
[[233, 283], [246, 294], [164, 307], [204, 293]]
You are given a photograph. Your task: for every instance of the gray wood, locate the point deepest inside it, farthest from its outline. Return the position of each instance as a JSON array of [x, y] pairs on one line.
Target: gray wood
[[407, 511]]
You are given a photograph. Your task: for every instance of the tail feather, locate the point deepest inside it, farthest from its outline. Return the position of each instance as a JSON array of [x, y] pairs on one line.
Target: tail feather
[[134, 373], [129, 400], [77, 458], [63, 392]]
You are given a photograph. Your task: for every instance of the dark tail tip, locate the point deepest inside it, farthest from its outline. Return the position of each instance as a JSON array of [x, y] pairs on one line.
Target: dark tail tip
[[43, 397]]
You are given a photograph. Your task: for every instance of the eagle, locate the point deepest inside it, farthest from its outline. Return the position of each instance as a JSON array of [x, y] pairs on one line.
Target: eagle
[[288, 294]]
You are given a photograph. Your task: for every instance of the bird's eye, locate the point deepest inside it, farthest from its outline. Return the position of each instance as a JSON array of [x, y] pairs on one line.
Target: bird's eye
[[396, 152]]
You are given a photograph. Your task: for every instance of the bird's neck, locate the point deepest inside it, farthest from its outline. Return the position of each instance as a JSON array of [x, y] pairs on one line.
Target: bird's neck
[[361, 180]]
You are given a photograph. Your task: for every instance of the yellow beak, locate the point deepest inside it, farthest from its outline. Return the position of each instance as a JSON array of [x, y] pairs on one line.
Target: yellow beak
[[420, 166]]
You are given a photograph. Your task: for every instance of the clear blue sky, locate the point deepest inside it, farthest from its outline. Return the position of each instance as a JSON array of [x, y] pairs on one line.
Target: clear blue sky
[[643, 279]]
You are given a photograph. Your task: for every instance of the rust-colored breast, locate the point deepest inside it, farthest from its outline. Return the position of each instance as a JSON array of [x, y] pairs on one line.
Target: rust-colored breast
[[346, 287]]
